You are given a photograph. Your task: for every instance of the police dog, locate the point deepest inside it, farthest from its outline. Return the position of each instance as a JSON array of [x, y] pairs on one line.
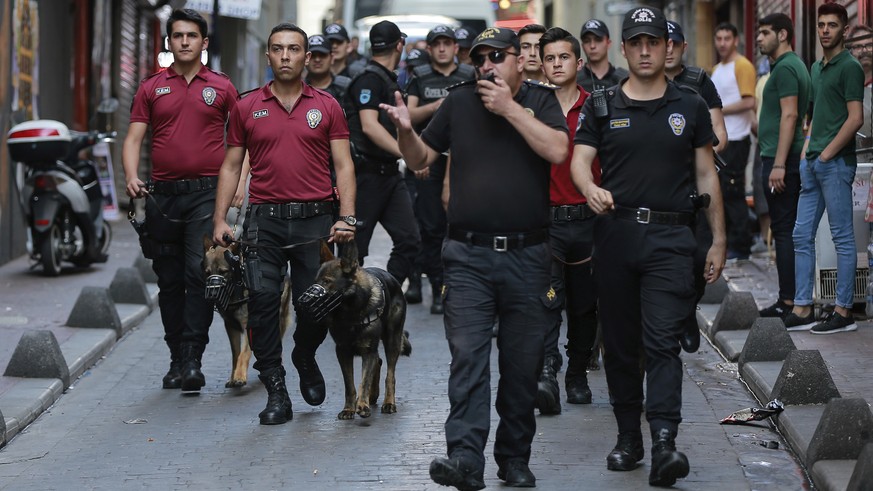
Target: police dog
[[232, 304], [368, 306]]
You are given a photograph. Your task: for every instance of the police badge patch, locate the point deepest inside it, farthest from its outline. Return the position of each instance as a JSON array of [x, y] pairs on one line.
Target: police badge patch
[[208, 95], [313, 117], [365, 96], [677, 123]]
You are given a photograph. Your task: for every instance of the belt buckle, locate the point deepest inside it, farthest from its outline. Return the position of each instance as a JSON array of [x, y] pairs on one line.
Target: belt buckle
[[648, 215], [499, 243]]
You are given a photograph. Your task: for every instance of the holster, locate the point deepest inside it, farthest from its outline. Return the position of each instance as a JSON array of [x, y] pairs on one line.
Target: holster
[[252, 264]]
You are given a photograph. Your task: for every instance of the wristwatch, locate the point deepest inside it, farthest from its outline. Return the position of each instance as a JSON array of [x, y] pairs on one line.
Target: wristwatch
[[350, 219]]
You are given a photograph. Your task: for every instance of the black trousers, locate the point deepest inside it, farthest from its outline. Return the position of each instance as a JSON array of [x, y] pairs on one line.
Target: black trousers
[[646, 293], [571, 242], [733, 190], [385, 199], [480, 284], [431, 216], [783, 214], [264, 304], [178, 250]]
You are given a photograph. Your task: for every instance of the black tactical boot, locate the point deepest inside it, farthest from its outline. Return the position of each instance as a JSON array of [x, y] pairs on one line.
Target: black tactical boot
[[668, 464], [173, 378], [436, 307], [548, 393], [576, 381], [311, 381], [413, 291], [278, 410], [192, 377], [627, 452]]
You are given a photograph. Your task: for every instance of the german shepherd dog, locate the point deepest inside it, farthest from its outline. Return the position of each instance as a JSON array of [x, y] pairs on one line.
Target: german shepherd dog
[[368, 305], [224, 281]]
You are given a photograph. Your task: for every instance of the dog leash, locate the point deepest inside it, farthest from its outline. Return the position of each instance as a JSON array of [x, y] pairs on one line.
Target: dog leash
[[576, 263], [131, 213], [284, 247]]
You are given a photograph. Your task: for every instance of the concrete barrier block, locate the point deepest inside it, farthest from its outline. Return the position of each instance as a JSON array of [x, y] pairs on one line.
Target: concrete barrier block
[[128, 287], [738, 311], [38, 355], [804, 379], [95, 308], [715, 292], [144, 266], [846, 426], [767, 341], [862, 476]]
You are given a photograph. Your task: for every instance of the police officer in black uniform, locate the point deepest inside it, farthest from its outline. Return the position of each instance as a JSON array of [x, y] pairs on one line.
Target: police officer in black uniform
[[382, 194], [427, 91], [595, 39], [318, 72], [503, 135], [697, 79], [654, 140]]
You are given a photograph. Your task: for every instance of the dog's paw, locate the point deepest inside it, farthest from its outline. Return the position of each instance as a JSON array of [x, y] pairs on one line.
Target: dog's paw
[[346, 414], [363, 410], [389, 408], [234, 384]]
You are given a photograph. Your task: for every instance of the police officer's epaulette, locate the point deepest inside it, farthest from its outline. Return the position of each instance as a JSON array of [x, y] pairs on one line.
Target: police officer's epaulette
[[461, 84], [422, 70], [542, 85], [221, 74], [692, 75], [342, 81], [159, 72], [243, 94]]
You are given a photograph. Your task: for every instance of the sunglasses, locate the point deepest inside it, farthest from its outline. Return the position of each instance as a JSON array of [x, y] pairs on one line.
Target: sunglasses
[[496, 57]]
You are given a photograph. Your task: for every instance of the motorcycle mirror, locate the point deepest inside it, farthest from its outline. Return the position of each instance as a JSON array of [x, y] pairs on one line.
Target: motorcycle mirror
[[108, 106]]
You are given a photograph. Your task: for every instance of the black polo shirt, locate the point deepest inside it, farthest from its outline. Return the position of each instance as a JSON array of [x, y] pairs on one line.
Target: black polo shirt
[[646, 148], [589, 81], [706, 89], [499, 184]]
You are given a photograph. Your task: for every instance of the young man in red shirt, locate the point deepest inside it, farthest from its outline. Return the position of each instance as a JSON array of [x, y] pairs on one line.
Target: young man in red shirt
[[291, 202], [186, 107]]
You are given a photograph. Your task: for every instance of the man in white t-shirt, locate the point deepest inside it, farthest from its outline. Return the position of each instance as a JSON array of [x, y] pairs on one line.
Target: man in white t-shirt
[[734, 77]]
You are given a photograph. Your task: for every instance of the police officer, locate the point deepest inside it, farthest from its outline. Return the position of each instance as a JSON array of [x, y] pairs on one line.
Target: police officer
[[186, 106], [427, 91], [340, 45], [318, 72], [465, 37], [502, 135], [653, 141], [697, 79], [598, 72], [382, 194], [414, 58], [291, 204], [571, 237]]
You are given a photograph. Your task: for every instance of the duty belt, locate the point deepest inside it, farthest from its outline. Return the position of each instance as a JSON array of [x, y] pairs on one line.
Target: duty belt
[[373, 167], [645, 216], [499, 243], [566, 213], [294, 211], [183, 186]]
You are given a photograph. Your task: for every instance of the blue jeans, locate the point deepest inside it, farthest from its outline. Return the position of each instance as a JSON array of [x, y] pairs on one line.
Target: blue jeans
[[825, 185]]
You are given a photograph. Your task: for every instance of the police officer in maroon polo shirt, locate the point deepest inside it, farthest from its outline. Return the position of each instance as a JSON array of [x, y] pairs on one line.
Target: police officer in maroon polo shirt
[[291, 131], [186, 106]]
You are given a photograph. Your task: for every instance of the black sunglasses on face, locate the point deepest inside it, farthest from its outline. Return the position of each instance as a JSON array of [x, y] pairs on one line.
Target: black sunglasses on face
[[496, 57]]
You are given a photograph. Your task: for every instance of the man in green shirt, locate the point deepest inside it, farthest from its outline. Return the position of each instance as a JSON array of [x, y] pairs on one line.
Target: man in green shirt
[[780, 138], [827, 171]]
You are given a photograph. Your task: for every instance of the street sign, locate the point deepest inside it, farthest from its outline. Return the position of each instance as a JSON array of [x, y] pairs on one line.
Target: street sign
[[241, 9]]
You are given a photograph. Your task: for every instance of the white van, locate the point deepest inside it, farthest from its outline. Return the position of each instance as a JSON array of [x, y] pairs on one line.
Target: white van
[[477, 14]]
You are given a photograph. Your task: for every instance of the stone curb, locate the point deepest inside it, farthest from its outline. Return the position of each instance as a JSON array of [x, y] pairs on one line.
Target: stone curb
[[798, 423], [29, 397]]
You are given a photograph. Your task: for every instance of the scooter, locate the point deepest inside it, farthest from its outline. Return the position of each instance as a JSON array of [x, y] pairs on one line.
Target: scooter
[[60, 194]]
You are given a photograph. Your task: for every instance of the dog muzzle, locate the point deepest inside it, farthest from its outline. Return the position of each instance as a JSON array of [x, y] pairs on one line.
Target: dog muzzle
[[316, 302], [219, 291]]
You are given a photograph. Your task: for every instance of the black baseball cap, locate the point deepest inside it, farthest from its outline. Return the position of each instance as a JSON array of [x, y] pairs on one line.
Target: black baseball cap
[[465, 37], [644, 20], [440, 31], [596, 27], [417, 57], [318, 44], [384, 34], [336, 32], [497, 37], [674, 31]]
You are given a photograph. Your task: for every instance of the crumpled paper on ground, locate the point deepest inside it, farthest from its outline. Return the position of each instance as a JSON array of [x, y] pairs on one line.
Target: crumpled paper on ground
[[748, 414]]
